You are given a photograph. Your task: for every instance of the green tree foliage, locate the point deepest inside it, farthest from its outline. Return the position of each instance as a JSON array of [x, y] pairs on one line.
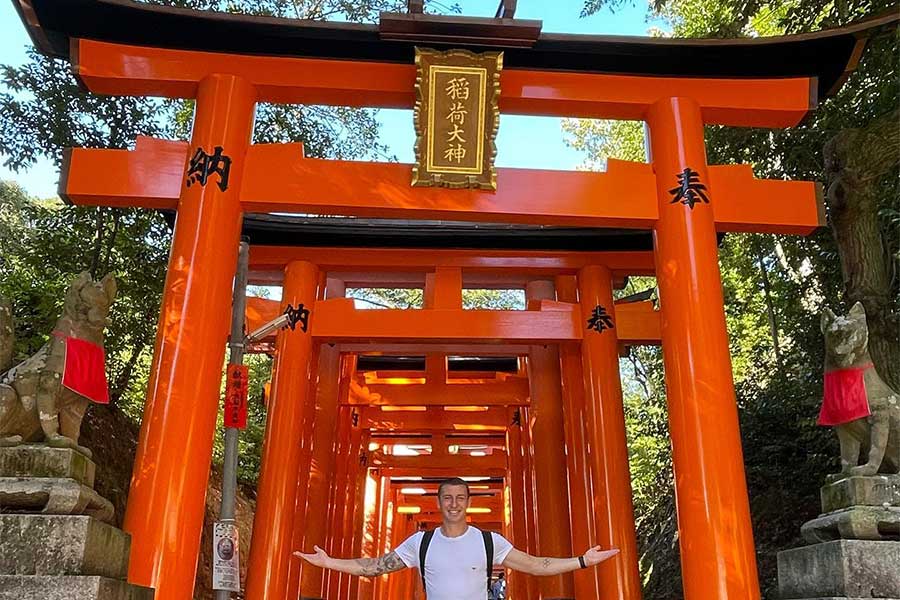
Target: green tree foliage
[[774, 288], [45, 244]]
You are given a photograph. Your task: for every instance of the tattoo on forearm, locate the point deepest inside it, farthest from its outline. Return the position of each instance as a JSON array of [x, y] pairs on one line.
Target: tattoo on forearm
[[545, 564], [373, 567]]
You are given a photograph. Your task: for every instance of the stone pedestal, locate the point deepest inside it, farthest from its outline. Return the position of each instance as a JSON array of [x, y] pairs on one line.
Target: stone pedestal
[[58, 481], [66, 556], [855, 545]]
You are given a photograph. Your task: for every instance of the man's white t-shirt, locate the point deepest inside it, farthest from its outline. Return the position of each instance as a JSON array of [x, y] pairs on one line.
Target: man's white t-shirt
[[455, 568]]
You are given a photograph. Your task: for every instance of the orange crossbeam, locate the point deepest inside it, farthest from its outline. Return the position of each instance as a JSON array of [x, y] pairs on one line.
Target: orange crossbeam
[[624, 196], [411, 349], [117, 69], [744, 204], [495, 460], [510, 393], [441, 442], [493, 419], [428, 505], [337, 320], [522, 262], [454, 472], [637, 323], [152, 175]]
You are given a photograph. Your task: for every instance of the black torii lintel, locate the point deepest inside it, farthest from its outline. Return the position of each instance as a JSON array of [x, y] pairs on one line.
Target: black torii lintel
[[828, 55]]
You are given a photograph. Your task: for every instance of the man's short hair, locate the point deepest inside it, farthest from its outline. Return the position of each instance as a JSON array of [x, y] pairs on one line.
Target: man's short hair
[[453, 481]]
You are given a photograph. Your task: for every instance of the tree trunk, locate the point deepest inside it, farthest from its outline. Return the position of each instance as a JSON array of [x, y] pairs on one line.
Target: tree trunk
[[855, 160], [770, 308], [121, 381]]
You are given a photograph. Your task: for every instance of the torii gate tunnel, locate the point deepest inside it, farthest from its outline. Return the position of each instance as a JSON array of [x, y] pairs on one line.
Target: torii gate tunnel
[[548, 412]]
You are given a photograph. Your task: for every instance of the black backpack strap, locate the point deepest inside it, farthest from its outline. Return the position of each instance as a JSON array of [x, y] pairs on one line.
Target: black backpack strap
[[423, 550], [489, 554]]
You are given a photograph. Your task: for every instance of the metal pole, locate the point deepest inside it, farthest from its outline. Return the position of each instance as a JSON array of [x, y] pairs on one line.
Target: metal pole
[[236, 357]]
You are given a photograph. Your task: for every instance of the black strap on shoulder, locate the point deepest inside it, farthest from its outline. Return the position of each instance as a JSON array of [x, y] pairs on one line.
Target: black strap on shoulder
[[489, 554], [423, 550]]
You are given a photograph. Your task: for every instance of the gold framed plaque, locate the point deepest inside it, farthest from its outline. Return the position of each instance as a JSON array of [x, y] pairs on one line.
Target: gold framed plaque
[[456, 118]]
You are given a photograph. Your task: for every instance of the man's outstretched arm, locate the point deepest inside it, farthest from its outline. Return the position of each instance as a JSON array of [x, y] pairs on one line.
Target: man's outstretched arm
[[364, 567], [538, 565]]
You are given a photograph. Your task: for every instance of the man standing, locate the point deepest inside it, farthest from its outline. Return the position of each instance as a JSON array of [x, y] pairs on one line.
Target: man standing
[[453, 558]]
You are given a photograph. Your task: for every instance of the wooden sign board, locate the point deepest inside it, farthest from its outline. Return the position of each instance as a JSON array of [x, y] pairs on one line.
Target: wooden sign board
[[456, 118]]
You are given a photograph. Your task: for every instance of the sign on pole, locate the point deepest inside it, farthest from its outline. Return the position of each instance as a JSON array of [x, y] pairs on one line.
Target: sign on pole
[[226, 568], [236, 384]]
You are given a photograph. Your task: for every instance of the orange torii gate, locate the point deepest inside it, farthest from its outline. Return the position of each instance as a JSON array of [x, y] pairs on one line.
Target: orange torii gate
[[228, 63], [444, 277], [635, 323]]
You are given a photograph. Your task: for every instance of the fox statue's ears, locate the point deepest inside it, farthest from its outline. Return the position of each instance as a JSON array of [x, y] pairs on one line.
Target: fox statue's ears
[[109, 286], [857, 312], [827, 318]]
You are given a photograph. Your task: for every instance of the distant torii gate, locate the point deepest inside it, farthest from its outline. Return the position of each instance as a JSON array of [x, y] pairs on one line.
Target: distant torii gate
[[228, 63], [443, 328]]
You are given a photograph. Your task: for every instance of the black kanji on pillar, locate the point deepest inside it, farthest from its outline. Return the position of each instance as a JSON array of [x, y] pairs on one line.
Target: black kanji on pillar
[[203, 165], [599, 320], [689, 191], [297, 315]]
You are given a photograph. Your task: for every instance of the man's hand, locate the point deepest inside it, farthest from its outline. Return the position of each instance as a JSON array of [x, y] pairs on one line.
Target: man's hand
[[319, 558], [597, 555]]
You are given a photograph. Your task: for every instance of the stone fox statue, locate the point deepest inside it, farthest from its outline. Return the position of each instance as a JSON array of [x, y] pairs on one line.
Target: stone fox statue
[[38, 398], [864, 411]]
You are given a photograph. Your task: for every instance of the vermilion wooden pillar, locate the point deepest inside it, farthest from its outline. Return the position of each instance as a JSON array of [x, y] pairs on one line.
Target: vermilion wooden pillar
[[321, 467], [405, 579], [344, 546], [370, 539], [516, 482], [305, 438], [580, 491], [395, 537], [548, 439], [271, 545], [715, 533], [167, 500], [359, 511], [531, 583], [337, 497], [605, 418], [385, 520]]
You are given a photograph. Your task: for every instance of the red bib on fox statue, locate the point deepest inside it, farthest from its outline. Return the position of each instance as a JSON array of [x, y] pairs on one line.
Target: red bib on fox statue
[[845, 396], [85, 369]]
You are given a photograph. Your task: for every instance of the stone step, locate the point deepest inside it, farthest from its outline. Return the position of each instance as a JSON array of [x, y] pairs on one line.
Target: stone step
[[874, 490], [841, 569], [62, 545], [35, 460], [854, 523], [54, 496], [22, 587]]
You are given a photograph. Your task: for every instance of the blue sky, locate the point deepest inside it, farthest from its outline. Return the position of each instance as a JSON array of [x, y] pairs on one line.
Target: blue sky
[[530, 142]]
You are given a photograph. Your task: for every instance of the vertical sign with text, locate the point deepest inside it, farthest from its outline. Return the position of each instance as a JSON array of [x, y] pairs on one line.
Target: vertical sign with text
[[456, 117], [226, 568]]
